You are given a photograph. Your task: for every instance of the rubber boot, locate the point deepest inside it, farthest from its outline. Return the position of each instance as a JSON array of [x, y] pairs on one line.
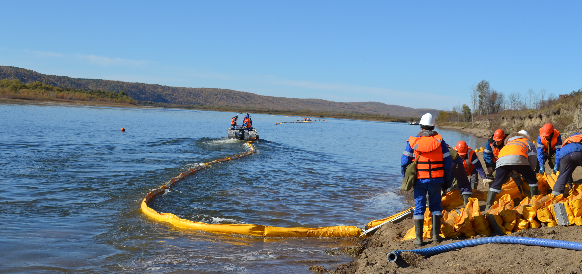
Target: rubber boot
[[466, 198], [474, 186], [418, 224], [490, 199], [534, 191], [436, 229]]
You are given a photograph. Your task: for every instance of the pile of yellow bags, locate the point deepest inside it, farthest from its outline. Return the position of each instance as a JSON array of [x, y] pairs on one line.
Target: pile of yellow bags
[[504, 216]]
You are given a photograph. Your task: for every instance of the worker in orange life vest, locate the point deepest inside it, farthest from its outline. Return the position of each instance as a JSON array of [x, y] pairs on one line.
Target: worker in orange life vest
[[433, 169], [514, 156], [247, 123], [549, 145], [471, 163], [233, 121], [569, 157], [491, 151]]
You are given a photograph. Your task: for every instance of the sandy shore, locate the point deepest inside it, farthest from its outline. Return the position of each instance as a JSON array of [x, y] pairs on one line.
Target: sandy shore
[[487, 258]]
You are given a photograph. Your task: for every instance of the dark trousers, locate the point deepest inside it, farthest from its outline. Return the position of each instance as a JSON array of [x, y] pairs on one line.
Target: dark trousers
[[503, 172], [567, 165]]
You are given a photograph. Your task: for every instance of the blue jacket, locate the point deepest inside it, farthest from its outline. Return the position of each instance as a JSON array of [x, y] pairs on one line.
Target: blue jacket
[[542, 155], [408, 157], [488, 152], [567, 149]]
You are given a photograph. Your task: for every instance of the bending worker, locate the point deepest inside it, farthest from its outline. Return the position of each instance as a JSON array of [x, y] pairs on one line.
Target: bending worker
[[569, 157], [458, 177], [233, 121], [433, 169], [471, 163], [491, 151], [517, 155], [549, 144]]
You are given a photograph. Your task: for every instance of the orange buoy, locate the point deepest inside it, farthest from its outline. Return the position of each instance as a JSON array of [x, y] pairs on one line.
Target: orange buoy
[[122, 129]]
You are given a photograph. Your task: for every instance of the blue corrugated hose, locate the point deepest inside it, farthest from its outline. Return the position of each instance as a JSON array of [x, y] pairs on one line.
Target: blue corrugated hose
[[393, 256]]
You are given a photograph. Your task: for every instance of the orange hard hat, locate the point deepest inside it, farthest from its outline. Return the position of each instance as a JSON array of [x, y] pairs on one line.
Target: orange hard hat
[[547, 130], [462, 148], [498, 135]]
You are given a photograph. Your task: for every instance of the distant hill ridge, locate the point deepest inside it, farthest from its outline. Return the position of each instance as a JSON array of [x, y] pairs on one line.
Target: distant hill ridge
[[212, 96]]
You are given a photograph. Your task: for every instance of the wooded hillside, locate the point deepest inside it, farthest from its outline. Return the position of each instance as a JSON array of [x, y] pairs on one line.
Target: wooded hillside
[[213, 97]]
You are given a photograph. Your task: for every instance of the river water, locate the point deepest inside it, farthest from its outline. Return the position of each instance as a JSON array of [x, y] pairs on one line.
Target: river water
[[71, 185]]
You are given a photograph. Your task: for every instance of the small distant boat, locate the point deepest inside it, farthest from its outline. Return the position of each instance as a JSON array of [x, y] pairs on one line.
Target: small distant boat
[[241, 133], [413, 123]]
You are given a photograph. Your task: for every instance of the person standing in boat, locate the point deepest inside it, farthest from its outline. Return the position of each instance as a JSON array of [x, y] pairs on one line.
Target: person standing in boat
[[433, 169], [233, 121], [247, 122]]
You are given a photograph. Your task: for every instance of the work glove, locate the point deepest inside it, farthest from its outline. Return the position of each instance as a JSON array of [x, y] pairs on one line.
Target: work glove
[[555, 169], [489, 179], [542, 169]]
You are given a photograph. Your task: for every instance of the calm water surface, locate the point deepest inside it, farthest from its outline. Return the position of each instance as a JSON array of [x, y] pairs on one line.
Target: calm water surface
[[71, 184]]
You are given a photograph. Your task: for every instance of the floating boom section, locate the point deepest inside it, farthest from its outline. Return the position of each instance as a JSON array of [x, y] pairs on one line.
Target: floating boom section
[[244, 229]]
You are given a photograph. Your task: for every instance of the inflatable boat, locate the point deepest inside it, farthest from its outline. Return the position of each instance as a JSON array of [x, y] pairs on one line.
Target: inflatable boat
[[243, 134]]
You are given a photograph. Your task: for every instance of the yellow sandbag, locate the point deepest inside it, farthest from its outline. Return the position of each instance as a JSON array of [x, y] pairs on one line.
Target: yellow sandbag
[[521, 224], [578, 221], [448, 223], [410, 234], [543, 186], [427, 227], [551, 179], [544, 214], [452, 200], [569, 213], [509, 220], [498, 220], [463, 225], [523, 203], [504, 202], [576, 207], [481, 226], [513, 192]]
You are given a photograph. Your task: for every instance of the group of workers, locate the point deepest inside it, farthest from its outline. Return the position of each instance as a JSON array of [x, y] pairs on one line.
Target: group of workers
[[439, 167], [247, 122]]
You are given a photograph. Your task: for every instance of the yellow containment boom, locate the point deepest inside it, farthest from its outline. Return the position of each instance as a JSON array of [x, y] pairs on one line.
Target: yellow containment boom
[[244, 229]]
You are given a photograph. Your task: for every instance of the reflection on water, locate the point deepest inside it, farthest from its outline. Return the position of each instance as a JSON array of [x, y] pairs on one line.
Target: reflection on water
[[73, 183]]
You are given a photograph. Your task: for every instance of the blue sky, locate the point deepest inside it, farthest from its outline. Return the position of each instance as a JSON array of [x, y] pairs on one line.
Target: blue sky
[[420, 54]]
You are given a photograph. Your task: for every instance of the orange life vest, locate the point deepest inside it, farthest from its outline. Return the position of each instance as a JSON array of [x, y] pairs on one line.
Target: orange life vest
[[247, 122], [430, 156], [573, 139], [233, 121], [551, 143], [467, 162], [515, 147]]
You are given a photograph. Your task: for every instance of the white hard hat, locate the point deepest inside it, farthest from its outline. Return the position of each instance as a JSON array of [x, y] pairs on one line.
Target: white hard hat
[[524, 133], [427, 120]]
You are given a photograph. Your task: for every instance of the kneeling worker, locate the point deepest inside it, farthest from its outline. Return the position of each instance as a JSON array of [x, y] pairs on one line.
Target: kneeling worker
[[433, 168], [569, 157], [514, 156]]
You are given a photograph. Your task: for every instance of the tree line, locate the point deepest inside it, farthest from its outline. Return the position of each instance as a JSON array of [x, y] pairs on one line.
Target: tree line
[[488, 101], [36, 90]]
